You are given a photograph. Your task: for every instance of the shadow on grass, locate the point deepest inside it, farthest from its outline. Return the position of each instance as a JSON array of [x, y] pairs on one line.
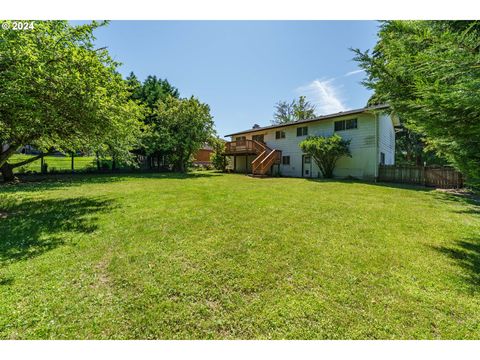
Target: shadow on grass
[[58, 181], [467, 254], [33, 227], [470, 200]]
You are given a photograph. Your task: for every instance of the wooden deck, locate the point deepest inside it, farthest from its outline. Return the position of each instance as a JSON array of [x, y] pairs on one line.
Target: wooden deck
[[265, 157], [243, 147]]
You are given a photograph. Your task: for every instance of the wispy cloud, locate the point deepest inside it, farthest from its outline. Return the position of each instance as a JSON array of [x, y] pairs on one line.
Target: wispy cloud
[[350, 73], [324, 94]]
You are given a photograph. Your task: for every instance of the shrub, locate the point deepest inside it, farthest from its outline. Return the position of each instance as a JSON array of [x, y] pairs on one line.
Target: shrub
[[326, 151], [219, 161]]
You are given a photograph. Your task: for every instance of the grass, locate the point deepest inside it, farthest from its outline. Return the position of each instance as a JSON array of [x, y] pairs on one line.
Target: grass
[[216, 256], [59, 163]]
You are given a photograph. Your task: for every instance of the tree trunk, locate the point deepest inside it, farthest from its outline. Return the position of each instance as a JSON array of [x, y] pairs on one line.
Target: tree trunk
[[7, 172], [98, 162]]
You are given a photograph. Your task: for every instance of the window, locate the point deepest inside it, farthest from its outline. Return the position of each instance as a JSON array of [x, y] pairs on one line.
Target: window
[[382, 158], [339, 125], [346, 124], [302, 131], [280, 134], [285, 160], [239, 138], [307, 159], [258, 138], [351, 124]]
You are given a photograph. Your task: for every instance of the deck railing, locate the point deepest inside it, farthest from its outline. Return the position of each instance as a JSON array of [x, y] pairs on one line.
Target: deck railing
[[243, 147]]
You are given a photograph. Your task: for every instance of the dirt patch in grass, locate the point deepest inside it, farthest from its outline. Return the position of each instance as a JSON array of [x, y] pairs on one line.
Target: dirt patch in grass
[[102, 278]]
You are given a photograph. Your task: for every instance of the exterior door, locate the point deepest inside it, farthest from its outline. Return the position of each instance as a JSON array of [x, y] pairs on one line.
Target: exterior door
[[306, 166]]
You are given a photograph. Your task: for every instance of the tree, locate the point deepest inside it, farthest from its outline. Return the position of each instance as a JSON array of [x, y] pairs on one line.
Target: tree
[[283, 113], [303, 109], [58, 92], [219, 160], [180, 128], [410, 149], [149, 94], [154, 90], [300, 109], [429, 73], [326, 151]]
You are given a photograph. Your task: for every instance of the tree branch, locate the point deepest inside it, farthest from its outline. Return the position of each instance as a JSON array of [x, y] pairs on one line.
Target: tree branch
[[32, 159], [4, 156]]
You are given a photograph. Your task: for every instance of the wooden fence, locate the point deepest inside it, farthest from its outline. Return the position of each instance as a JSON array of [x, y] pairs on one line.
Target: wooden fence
[[436, 176]]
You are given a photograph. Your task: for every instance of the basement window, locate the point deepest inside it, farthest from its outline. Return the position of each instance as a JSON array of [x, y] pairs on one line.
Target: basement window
[[280, 134], [285, 160]]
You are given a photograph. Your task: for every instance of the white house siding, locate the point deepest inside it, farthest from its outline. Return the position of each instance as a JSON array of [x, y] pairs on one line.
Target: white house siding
[[386, 139], [363, 147]]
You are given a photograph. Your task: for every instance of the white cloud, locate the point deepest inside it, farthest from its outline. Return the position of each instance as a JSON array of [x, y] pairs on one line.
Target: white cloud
[[350, 73], [324, 95]]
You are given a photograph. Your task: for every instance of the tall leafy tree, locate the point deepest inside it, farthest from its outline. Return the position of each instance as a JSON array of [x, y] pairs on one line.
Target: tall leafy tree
[[295, 110], [58, 91], [153, 142], [180, 128], [155, 90], [410, 149], [429, 72]]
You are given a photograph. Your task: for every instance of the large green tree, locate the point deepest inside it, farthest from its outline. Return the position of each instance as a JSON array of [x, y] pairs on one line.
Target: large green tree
[[429, 72], [180, 128], [295, 110], [58, 91], [154, 140]]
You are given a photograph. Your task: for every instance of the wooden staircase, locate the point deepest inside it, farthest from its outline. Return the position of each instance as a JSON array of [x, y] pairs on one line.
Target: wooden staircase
[[265, 159]]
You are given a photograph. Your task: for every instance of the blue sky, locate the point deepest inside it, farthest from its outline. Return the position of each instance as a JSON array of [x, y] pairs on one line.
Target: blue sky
[[241, 69]]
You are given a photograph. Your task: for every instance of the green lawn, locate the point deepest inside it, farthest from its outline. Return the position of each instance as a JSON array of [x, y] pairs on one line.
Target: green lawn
[[59, 163], [228, 256]]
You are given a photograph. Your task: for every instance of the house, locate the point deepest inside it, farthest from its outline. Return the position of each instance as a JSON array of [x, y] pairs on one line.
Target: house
[[202, 156], [275, 149]]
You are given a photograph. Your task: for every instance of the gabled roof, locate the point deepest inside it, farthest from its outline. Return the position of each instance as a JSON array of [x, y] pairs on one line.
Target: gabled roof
[[323, 117]]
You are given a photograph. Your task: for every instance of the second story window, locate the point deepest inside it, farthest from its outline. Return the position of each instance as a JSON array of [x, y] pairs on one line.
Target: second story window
[[345, 124], [302, 131], [280, 134], [239, 138]]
